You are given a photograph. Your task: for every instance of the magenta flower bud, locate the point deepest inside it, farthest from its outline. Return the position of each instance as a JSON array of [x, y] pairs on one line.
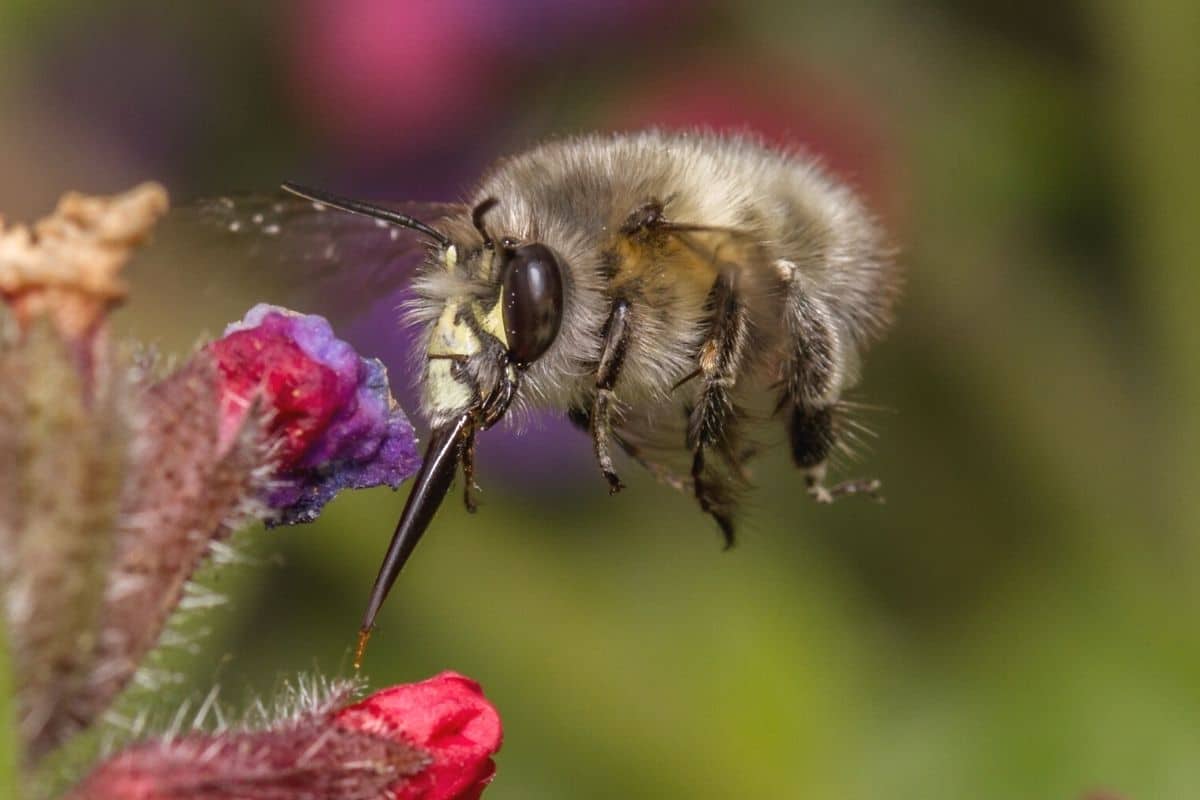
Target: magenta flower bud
[[329, 410]]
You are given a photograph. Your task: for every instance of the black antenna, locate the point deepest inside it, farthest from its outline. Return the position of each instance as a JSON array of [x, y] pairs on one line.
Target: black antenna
[[477, 215], [367, 210]]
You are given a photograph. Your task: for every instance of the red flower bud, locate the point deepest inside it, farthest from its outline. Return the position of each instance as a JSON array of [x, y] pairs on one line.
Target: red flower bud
[[448, 717], [425, 741]]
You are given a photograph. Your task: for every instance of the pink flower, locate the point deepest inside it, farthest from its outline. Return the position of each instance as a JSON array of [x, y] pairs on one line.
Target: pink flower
[[329, 410], [375, 73], [394, 76], [432, 740]]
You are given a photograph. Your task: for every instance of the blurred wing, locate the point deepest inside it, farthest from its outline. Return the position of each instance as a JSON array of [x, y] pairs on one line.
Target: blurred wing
[[719, 248], [655, 440], [339, 260]]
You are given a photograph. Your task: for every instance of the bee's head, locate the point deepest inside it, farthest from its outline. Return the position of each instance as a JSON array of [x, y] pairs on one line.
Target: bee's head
[[499, 306], [494, 306]]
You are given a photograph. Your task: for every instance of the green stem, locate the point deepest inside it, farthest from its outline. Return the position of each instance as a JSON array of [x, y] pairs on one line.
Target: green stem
[[9, 741]]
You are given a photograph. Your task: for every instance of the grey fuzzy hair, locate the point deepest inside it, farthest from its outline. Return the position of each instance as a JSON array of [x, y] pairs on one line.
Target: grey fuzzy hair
[[810, 233]]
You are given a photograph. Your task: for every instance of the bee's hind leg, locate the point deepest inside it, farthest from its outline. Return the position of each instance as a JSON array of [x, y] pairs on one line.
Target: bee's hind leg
[[712, 422], [812, 381], [598, 421]]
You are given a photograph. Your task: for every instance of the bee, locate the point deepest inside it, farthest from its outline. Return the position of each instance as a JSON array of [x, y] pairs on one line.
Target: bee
[[671, 293]]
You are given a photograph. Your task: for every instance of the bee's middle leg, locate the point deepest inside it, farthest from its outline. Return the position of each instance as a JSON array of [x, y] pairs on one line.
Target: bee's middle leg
[[712, 422]]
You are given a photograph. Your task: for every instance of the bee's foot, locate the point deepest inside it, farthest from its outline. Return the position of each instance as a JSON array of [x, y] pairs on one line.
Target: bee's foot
[[614, 482], [469, 497], [820, 494], [827, 494]]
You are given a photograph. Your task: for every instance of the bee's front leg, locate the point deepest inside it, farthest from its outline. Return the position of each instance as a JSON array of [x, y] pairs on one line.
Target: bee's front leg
[[468, 467], [616, 342]]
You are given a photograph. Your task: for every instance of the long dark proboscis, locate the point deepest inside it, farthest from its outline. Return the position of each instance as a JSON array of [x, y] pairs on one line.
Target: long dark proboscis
[[442, 457]]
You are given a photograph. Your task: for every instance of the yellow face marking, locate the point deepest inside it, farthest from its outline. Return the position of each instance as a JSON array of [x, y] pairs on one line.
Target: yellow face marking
[[451, 257], [492, 322], [443, 392], [452, 337]]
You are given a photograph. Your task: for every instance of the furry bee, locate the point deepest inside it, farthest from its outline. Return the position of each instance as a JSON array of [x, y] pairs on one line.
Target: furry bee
[[669, 292]]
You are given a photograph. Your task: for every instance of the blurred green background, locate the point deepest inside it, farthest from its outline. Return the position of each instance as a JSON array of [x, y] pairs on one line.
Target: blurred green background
[[1018, 621]]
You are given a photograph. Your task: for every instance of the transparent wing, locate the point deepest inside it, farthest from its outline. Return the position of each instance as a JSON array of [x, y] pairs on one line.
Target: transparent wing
[[334, 259]]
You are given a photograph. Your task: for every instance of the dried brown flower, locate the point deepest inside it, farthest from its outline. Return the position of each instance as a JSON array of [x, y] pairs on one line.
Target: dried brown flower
[[114, 487], [68, 265]]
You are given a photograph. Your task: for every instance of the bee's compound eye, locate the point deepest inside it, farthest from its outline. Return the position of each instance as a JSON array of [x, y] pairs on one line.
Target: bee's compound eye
[[532, 298]]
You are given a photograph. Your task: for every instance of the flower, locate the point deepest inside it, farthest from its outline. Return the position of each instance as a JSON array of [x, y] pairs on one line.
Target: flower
[[329, 410], [448, 717], [378, 73], [432, 740], [388, 77], [66, 268], [126, 478]]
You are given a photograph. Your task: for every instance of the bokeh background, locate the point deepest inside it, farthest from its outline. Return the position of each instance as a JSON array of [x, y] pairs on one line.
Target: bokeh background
[[1018, 621]]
